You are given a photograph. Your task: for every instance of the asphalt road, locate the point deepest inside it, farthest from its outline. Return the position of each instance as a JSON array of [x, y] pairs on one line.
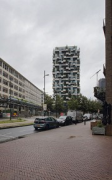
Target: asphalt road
[[13, 133]]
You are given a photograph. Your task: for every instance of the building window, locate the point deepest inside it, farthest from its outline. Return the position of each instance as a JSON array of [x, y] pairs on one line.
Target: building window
[[20, 95], [16, 87], [11, 85], [11, 70], [20, 89], [11, 78], [5, 90], [5, 82], [10, 92], [16, 81], [16, 74], [15, 94], [20, 83], [1, 71], [5, 66], [1, 63], [20, 77], [5, 74]]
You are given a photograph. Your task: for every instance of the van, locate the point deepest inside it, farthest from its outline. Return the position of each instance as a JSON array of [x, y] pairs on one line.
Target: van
[[87, 116], [77, 116]]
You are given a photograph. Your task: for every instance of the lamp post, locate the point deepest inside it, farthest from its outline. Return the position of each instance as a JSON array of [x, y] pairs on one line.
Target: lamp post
[[44, 84], [55, 96], [10, 98], [56, 105]]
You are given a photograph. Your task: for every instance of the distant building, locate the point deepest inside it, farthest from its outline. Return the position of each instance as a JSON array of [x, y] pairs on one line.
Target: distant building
[[66, 71], [102, 83]]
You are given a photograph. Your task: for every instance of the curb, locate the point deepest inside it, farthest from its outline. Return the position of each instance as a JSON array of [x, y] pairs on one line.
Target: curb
[[12, 139], [17, 125]]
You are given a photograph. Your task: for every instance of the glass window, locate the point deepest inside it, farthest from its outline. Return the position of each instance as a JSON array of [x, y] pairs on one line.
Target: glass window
[[0, 71], [48, 119], [0, 63], [53, 119]]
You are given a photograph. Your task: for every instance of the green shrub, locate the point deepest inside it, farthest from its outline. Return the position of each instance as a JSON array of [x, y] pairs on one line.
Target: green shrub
[[99, 124]]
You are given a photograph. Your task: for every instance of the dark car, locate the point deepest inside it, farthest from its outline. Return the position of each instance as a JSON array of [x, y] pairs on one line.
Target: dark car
[[45, 123], [64, 120]]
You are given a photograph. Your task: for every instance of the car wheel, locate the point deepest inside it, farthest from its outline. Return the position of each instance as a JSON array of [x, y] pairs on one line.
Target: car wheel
[[36, 128]]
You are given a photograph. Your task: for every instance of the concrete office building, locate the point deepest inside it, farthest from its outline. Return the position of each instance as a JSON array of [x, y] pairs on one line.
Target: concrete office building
[[14, 86], [66, 71]]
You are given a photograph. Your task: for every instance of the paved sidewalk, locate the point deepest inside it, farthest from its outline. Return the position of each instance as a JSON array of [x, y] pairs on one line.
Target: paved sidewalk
[[66, 153]]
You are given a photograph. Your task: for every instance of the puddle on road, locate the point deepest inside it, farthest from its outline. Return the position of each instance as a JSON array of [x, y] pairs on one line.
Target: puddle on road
[[71, 137]]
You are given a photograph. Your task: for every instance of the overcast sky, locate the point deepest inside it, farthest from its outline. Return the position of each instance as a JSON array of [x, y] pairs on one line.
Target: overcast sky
[[31, 29]]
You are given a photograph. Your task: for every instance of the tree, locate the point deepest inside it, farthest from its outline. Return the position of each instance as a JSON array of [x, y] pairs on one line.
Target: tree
[[73, 103], [84, 104], [59, 104], [49, 101]]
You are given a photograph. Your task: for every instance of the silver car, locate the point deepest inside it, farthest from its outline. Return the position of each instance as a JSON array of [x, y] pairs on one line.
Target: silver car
[[45, 122]]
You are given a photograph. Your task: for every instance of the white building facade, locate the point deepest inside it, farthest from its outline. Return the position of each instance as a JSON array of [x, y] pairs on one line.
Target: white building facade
[[15, 86], [66, 71]]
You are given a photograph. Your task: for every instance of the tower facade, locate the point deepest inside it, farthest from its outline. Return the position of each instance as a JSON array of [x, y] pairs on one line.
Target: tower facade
[[101, 83], [66, 71]]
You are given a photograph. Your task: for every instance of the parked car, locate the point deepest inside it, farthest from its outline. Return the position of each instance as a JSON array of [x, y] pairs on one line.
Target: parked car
[[45, 122], [64, 120]]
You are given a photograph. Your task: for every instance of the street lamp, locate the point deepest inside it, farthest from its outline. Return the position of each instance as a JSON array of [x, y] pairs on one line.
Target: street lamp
[[44, 88], [55, 96], [44, 84], [56, 105], [10, 98]]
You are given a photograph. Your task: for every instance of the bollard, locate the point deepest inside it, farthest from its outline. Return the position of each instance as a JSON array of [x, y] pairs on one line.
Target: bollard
[[85, 122]]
